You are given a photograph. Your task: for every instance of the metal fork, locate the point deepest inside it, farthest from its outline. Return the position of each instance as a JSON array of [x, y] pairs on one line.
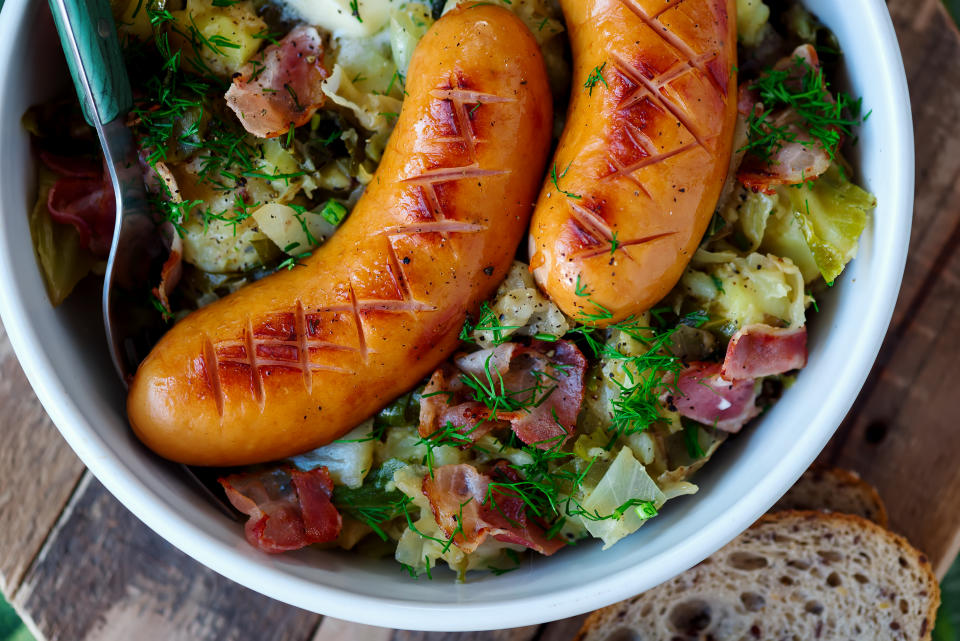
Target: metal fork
[[89, 39]]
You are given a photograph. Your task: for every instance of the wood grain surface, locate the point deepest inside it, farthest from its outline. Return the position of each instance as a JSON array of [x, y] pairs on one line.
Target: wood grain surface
[[80, 567], [902, 434], [38, 471]]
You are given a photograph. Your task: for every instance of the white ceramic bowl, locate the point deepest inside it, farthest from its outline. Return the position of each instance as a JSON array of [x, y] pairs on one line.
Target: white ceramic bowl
[[64, 354]]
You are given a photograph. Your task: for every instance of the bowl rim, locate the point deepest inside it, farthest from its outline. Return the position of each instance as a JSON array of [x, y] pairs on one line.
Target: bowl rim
[[121, 480]]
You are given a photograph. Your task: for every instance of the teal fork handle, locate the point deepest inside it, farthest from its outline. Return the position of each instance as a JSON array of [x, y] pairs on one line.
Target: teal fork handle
[[89, 38]]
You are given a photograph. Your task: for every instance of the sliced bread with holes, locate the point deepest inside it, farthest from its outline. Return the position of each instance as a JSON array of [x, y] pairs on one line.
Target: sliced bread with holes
[[794, 575], [834, 490]]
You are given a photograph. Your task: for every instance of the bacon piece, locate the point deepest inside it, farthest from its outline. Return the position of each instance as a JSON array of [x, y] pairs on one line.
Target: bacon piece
[[797, 160], [171, 271], [794, 163], [555, 417], [760, 350], [89, 205], [464, 503], [702, 394], [72, 166], [805, 52], [280, 89], [289, 509], [546, 379]]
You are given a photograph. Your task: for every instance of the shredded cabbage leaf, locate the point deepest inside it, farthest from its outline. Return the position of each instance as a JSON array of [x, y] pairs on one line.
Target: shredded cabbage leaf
[[625, 481], [829, 213], [63, 262]]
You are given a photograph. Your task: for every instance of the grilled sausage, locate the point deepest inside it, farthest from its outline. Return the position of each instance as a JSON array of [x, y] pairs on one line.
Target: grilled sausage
[[294, 361], [636, 177]]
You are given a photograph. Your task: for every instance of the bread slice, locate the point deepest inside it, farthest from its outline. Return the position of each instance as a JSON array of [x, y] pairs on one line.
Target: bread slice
[[834, 490], [794, 575]]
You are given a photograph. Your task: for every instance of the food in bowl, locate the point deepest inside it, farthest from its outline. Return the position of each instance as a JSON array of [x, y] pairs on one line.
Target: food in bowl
[[577, 400]]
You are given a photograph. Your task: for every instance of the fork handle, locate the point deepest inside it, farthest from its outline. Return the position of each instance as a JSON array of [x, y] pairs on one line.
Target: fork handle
[[89, 38]]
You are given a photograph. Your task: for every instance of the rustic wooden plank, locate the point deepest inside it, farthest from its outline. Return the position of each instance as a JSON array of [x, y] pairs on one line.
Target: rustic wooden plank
[[338, 630], [38, 471], [901, 434], [562, 630], [103, 576], [513, 634]]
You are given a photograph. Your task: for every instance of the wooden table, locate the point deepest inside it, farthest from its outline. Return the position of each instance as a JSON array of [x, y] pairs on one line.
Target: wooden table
[[79, 567]]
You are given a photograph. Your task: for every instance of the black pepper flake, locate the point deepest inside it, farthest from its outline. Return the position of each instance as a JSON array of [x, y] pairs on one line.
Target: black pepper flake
[[488, 270]]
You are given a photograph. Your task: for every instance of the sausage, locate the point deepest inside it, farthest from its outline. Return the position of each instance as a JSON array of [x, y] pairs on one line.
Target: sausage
[[642, 160], [297, 359]]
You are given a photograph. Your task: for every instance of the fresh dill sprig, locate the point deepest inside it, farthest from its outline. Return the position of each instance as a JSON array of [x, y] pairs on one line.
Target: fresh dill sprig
[[806, 92], [596, 77], [487, 322], [555, 178]]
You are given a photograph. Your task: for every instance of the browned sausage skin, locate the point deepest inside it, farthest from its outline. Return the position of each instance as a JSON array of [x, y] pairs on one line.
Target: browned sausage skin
[[296, 360], [642, 160]]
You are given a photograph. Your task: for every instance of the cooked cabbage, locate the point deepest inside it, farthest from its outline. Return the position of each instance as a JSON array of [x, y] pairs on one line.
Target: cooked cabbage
[[519, 308], [817, 225], [743, 291], [354, 18], [374, 112], [405, 444], [408, 23], [63, 262], [348, 459], [227, 33], [293, 230], [625, 482], [752, 17], [749, 213]]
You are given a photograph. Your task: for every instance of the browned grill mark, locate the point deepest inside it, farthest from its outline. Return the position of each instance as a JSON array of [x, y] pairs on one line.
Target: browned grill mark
[[635, 75], [303, 347], [677, 43], [256, 377], [396, 268], [594, 226], [355, 309], [665, 34], [627, 171], [447, 174], [212, 369], [468, 97], [440, 226], [621, 246], [302, 342]]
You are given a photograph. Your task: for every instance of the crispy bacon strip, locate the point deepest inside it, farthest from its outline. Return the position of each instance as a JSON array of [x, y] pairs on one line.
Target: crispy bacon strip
[[796, 161], [702, 394], [464, 504], [281, 88], [760, 350], [89, 205], [289, 509], [171, 272], [546, 379]]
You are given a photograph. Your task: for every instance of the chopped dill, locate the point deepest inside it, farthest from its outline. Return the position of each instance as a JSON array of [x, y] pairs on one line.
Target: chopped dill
[[806, 92], [596, 77], [555, 179]]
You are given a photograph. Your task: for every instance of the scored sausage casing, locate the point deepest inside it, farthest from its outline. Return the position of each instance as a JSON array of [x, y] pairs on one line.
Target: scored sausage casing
[[294, 361], [644, 155]]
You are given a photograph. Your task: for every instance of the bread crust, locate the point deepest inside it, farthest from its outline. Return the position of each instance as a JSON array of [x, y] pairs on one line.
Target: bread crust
[[644, 155], [294, 361], [786, 528], [835, 489]]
